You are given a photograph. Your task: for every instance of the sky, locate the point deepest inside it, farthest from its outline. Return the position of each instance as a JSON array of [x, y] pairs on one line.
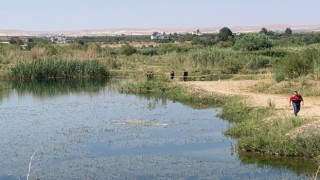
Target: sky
[[53, 15]]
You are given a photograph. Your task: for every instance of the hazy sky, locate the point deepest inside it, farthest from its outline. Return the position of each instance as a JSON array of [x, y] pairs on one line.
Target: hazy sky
[[100, 14]]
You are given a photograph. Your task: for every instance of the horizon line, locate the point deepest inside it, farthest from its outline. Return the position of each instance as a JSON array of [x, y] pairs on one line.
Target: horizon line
[[163, 28]]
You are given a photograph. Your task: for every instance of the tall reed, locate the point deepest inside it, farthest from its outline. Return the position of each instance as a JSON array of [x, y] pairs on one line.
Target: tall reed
[[54, 69]]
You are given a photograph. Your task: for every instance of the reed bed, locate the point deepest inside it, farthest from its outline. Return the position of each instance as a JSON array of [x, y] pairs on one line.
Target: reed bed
[[59, 69]]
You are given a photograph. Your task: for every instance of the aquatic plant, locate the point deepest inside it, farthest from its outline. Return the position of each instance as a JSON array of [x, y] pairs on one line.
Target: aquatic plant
[[55, 69]]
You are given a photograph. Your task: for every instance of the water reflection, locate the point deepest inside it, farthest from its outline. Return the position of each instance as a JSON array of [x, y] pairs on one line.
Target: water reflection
[[154, 101], [301, 166], [52, 88], [58, 87], [5, 90]]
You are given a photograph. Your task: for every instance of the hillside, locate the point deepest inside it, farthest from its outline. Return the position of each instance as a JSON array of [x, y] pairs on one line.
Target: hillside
[[142, 31]]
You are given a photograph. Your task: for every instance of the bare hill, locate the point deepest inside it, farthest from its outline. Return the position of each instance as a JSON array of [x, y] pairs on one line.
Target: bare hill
[[142, 31]]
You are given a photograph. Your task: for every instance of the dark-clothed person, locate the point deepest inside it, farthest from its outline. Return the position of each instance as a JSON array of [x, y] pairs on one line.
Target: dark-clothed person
[[185, 75], [172, 75]]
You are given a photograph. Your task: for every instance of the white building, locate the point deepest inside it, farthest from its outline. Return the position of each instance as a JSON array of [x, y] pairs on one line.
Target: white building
[[58, 39], [159, 36], [197, 32]]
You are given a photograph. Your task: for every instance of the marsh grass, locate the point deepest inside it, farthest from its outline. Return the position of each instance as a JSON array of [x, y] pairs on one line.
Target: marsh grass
[[161, 87], [57, 69]]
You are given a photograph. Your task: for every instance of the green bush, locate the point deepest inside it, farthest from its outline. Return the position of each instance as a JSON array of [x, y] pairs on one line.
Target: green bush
[[204, 41], [149, 51], [258, 63], [297, 64], [279, 76], [253, 42], [128, 50], [51, 50], [231, 66], [225, 44]]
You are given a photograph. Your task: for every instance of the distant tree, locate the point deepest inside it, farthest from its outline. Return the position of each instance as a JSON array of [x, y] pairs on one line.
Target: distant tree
[[225, 34], [253, 42], [16, 41], [30, 40], [288, 31], [198, 31], [264, 31], [80, 42]]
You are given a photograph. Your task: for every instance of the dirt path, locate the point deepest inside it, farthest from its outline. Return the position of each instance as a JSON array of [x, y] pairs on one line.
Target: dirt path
[[311, 107]]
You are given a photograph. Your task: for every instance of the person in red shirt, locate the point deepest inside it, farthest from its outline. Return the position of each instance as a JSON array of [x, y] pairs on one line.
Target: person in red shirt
[[295, 101]]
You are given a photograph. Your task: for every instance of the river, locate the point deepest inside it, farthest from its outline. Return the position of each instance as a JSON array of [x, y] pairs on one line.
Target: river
[[88, 130]]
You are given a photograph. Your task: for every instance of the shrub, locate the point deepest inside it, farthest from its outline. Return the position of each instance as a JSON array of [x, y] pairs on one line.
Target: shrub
[[225, 44], [253, 42], [149, 51], [128, 50], [279, 76], [258, 63], [295, 65], [231, 66], [204, 41], [170, 47], [51, 50]]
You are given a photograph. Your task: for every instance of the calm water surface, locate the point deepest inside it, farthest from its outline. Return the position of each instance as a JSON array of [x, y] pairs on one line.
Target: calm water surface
[[87, 130]]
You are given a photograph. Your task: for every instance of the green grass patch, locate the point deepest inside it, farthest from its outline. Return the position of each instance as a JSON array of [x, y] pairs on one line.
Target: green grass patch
[[161, 87], [272, 139], [258, 132], [304, 86]]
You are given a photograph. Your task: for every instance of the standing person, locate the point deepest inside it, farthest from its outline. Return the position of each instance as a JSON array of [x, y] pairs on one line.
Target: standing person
[[185, 75], [295, 100], [149, 75], [172, 75]]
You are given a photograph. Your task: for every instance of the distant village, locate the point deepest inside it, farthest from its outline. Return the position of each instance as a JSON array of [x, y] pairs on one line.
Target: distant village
[[164, 37], [62, 39]]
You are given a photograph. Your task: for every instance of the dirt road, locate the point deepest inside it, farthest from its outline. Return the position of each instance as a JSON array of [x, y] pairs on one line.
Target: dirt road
[[311, 106]]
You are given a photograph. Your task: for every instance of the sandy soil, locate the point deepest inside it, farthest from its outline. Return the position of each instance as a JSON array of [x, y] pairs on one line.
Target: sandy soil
[[310, 109]]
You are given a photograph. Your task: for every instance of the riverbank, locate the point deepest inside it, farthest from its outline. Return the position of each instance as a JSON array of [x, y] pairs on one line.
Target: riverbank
[[265, 122]]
